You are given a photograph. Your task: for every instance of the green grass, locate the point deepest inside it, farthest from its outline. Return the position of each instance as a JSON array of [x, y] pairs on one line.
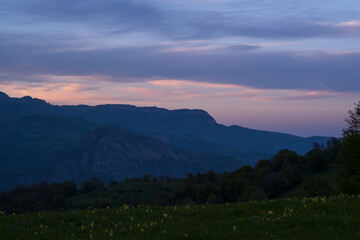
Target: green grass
[[316, 218]]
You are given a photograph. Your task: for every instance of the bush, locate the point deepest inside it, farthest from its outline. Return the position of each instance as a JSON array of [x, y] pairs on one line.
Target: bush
[[350, 185], [317, 187], [206, 190]]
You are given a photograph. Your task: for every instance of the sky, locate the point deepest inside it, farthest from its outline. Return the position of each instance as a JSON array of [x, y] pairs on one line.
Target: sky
[[286, 66]]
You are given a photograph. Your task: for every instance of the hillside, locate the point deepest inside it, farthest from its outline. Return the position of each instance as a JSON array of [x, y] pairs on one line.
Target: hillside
[[27, 142], [38, 147], [194, 143], [110, 153]]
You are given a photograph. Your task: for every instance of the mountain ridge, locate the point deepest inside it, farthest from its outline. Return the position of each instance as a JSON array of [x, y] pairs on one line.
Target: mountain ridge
[[162, 121], [11, 103]]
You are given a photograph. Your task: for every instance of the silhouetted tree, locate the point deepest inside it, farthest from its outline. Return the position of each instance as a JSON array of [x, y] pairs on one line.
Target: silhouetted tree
[[190, 177], [333, 147], [274, 184], [113, 182], [70, 188], [293, 174], [146, 177], [285, 157], [91, 185], [317, 160], [208, 177], [349, 154]]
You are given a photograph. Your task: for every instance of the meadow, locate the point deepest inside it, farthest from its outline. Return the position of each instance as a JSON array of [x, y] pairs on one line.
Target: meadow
[[303, 218]]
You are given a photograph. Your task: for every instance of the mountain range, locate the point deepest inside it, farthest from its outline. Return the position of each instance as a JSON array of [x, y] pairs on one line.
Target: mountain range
[[41, 141]]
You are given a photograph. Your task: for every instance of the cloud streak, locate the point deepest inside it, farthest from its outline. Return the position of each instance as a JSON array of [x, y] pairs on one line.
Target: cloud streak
[[155, 91], [177, 20], [244, 66]]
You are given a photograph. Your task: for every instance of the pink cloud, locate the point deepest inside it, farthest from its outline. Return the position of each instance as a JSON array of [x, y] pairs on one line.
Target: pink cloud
[[84, 89], [142, 91], [353, 23], [214, 90]]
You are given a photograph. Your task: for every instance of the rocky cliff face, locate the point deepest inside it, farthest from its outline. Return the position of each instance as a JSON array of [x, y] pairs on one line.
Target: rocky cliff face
[[109, 153]]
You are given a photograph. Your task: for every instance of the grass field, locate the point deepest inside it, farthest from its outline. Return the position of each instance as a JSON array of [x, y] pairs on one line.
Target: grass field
[[311, 218]]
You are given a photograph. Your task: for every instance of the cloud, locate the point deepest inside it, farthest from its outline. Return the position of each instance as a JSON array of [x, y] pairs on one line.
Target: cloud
[[205, 48], [351, 28], [175, 19], [74, 89], [353, 23], [132, 41], [273, 70], [83, 10], [195, 90]]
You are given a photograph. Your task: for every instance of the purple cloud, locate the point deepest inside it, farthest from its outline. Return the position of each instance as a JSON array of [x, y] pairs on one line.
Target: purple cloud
[[237, 65]]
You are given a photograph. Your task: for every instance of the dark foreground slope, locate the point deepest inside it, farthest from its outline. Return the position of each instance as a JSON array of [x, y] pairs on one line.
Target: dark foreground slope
[[110, 153]]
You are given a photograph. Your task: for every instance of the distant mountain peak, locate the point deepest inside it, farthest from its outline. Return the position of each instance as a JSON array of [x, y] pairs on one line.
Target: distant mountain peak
[[3, 95], [29, 99], [190, 115], [195, 115]]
